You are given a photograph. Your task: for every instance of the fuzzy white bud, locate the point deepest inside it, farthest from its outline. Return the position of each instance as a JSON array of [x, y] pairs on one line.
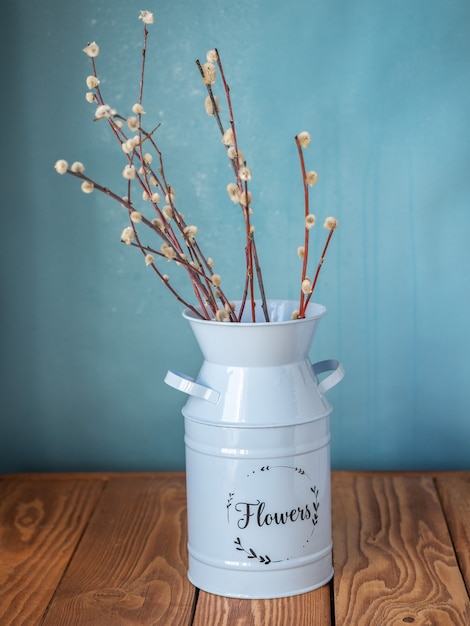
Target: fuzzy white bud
[[158, 223], [146, 17], [233, 192], [222, 315], [216, 280], [228, 138], [303, 139], [127, 235], [136, 217], [92, 82], [246, 198], [190, 231], [311, 178], [210, 107], [129, 171], [104, 111], [244, 173], [310, 221], [87, 186], [209, 73], [167, 211], [168, 251], [330, 223], [92, 49], [61, 166], [77, 167], [132, 123], [212, 56]]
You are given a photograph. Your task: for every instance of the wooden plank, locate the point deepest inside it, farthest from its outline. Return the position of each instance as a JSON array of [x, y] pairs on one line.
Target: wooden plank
[[41, 522], [454, 492], [302, 610], [394, 560], [130, 567]]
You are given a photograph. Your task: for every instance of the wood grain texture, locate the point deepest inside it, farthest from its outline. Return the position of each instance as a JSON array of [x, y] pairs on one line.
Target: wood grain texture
[[394, 559], [41, 523], [454, 492], [130, 567], [110, 549], [308, 609]]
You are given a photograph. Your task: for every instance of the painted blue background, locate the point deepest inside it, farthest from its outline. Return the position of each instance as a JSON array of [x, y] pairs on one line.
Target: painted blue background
[[87, 333]]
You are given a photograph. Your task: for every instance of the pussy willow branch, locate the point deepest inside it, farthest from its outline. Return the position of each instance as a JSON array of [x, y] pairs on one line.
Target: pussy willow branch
[[212, 99], [319, 266], [194, 249], [142, 70], [250, 243], [170, 225], [167, 282], [144, 250], [260, 283], [201, 282], [202, 292], [250, 246], [302, 305]]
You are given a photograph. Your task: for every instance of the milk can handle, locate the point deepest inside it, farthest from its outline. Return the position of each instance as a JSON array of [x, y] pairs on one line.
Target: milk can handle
[[188, 385], [333, 379]]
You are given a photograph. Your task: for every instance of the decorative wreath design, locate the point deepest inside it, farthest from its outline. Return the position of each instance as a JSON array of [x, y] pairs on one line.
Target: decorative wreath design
[[251, 552]]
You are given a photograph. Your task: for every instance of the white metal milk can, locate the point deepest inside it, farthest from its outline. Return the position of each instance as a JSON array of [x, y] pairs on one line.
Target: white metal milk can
[[257, 444]]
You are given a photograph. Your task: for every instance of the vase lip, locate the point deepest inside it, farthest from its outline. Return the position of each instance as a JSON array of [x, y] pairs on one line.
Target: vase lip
[[314, 311]]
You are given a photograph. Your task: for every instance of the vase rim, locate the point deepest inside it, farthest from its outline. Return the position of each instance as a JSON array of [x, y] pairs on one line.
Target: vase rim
[[314, 311]]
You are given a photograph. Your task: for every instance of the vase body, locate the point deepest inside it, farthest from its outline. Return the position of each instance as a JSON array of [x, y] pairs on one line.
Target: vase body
[[257, 445]]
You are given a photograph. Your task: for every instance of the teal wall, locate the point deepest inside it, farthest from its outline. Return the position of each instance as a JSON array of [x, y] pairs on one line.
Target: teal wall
[[87, 333]]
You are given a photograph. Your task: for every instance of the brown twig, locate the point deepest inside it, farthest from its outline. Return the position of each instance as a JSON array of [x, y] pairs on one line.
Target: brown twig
[[306, 230], [319, 266]]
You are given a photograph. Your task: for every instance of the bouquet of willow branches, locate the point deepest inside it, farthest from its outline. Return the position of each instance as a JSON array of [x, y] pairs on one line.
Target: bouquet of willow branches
[[147, 186]]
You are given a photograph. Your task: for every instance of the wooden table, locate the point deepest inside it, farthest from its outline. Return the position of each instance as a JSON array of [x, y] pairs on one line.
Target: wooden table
[[110, 549]]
